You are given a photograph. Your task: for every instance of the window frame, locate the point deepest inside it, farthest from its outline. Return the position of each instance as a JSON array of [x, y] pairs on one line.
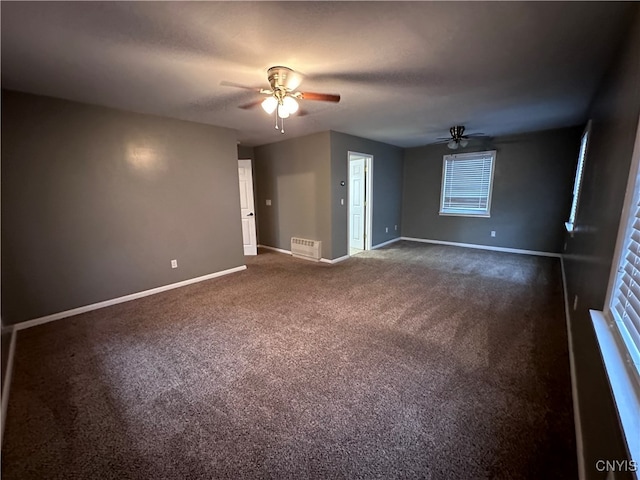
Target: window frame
[[619, 358], [461, 212], [578, 179], [625, 233]]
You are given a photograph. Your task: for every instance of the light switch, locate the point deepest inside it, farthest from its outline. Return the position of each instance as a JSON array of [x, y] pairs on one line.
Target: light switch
[[342, 201], [268, 203]]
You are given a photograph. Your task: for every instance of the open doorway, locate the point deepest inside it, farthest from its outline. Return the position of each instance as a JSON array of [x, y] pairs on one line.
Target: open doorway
[[359, 204]]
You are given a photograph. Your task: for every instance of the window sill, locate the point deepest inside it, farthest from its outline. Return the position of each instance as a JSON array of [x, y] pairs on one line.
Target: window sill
[[465, 214], [624, 386]]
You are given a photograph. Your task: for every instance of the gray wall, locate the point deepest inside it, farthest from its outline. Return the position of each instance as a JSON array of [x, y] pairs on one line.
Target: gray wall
[[387, 189], [530, 200], [301, 176], [294, 174], [245, 152], [589, 254], [96, 202]]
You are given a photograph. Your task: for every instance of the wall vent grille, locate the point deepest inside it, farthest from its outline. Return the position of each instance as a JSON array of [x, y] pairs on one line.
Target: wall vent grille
[[305, 248]]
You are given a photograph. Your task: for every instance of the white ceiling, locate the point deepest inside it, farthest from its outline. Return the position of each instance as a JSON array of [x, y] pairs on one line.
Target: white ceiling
[[407, 71]]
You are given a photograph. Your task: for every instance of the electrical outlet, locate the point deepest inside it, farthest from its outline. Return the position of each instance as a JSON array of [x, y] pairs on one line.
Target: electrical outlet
[[268, 203], [575, 303], [174, 263], [493, 233], [386, 229]]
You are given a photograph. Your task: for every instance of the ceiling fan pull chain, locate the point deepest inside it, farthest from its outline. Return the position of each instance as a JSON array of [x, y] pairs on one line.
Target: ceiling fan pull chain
[[276, 115], [282, 123]]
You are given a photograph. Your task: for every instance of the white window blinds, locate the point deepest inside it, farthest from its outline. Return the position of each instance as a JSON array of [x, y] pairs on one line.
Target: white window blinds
[[466, 184], [626, 295]]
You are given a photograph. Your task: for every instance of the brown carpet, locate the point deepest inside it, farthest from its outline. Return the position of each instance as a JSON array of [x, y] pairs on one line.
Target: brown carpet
[[411, 361]]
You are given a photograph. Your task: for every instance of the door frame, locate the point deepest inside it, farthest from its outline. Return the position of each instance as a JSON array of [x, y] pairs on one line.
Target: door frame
[[368, 162]]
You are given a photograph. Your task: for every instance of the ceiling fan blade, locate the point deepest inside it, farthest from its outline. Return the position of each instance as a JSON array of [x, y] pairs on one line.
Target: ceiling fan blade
[[250, 105], [321, 97], [224, 83]]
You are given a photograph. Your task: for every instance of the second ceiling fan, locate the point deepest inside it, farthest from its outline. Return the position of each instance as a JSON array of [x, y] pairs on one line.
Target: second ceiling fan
[[458, 138]]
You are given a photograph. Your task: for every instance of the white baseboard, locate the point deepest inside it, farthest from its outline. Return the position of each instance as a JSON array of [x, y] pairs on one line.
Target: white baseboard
[[335, 260], [279, 250], [574, 381], [379, 245], [8, 374], [389, 242], [484, 247], [288, 252], [126, 298]]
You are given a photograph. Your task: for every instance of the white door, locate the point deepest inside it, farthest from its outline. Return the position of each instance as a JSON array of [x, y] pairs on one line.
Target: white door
[[357, 199], [247, 212]]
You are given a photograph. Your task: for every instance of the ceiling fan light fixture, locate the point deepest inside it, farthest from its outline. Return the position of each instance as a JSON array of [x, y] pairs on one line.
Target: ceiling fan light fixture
[[290, 104], [453, 144], [269, 104], [281, 98], [283, 112], [464, 142]]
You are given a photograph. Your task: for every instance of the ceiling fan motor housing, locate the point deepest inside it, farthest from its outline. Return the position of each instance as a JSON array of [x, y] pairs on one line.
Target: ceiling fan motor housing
[[457, 132], [283, 78]]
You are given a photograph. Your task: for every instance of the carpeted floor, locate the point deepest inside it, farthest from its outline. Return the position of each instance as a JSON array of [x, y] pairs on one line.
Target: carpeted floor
[[411, 361]]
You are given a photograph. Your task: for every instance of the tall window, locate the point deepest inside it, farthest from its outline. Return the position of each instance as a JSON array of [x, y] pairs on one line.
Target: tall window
[[577, 184], [467, 180], [618, 327]]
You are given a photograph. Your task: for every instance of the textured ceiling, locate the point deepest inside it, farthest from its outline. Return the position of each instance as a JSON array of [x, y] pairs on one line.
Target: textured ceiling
[[407, 71]]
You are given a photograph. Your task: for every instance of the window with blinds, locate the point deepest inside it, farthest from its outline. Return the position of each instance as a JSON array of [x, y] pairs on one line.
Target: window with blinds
[[625, 298], [467, 181], [577, 184]]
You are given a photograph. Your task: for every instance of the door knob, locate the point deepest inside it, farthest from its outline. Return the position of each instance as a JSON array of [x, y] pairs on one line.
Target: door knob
[[250, 214]]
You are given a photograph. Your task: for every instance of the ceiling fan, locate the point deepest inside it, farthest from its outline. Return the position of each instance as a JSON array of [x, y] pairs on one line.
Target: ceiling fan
[[282, 98], [458, 138]]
